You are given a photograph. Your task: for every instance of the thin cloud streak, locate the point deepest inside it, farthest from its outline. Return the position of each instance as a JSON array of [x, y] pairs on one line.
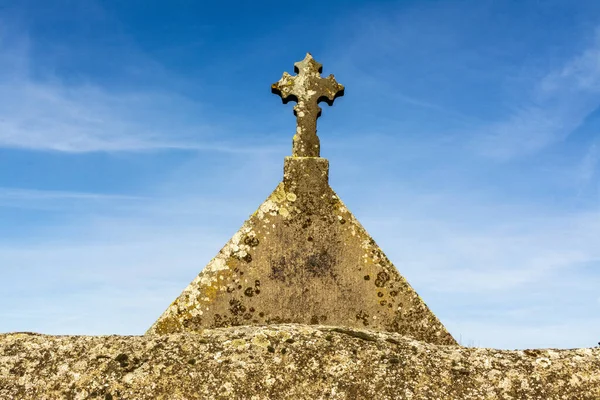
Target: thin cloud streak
[[53, 200], [87, 119], [50, 115], [30, 194], [555, 107], [538, 113]]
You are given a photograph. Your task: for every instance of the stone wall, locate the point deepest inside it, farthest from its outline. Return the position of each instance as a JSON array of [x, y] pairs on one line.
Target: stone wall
[[285, 362]]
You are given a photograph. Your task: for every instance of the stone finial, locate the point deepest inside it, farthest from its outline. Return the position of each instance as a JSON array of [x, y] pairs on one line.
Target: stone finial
[[307, 89]]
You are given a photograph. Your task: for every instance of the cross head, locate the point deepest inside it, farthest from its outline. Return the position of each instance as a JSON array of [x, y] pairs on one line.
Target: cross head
[[308, 89]]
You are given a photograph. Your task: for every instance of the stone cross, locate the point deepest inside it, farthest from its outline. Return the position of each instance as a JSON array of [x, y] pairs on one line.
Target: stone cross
[[307, 89]]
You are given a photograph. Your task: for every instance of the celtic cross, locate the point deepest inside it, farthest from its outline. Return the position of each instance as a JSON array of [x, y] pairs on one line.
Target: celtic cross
[[308, 89]]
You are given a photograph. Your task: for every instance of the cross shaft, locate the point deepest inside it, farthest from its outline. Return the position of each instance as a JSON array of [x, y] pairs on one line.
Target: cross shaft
[[308, 89]]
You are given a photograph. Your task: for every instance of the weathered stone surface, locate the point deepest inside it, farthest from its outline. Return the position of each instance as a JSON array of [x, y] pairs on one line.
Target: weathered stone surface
[[285, 362], [302, 257]]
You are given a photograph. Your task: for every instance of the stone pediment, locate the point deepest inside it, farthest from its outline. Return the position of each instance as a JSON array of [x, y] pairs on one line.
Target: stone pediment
[[302, 257]]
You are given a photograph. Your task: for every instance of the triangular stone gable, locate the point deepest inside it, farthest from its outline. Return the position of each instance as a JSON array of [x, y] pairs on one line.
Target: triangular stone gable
[[302, 257]]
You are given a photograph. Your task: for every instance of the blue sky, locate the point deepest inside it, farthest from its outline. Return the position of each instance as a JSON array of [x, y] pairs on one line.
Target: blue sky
[[137, 136]]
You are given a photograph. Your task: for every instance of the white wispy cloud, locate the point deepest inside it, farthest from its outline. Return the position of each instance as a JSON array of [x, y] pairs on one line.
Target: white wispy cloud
[[32, 194], [54, 200], [50, 114], [548, 111], [524, 110], [41, 116]]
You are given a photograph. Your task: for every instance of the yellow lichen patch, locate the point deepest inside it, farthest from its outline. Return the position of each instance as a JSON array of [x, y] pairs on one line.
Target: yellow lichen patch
[[213, 284], [261, 340], [291, 197], [279, 194], [239, 344], [167, 325]]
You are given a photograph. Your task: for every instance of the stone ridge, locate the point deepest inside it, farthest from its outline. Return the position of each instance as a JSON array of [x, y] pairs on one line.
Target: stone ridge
[[302, 257], [285, 362]]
